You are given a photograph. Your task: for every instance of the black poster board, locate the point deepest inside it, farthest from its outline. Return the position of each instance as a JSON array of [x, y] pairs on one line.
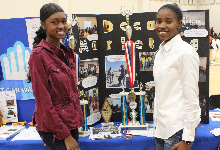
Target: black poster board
[[144, 35]]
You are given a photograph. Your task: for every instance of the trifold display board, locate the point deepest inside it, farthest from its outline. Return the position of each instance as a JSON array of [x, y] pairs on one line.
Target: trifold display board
[[104, 57]]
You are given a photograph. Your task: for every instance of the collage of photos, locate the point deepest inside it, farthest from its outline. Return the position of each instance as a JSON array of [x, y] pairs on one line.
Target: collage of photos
[[146, 60]]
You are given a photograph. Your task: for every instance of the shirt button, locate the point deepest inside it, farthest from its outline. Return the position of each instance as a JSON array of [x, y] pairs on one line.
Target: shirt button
[[63, 110], [58, 70]]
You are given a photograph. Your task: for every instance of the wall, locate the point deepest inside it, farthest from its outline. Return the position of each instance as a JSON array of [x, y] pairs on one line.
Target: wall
[[27, 8], [214, 20]]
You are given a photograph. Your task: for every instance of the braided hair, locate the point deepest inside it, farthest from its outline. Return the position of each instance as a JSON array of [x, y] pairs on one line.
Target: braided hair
[[45, 12]]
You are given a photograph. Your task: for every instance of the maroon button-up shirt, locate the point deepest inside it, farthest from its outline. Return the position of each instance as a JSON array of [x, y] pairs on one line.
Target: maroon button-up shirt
[[57, 108]]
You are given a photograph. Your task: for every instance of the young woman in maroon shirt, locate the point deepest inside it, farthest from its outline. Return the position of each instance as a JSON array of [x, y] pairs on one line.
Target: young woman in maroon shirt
[[52, 72]]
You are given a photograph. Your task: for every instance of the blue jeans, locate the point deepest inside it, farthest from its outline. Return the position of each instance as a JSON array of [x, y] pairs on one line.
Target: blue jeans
[[167, 144], [56, 144]]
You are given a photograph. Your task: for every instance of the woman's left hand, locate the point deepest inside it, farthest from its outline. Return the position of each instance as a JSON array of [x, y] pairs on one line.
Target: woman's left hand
[[181, 146]]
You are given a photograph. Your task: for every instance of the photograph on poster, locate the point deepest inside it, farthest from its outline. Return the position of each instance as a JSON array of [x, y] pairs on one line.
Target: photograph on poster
[[115, 102], [86, 26], [116, 72], [149, 97], [88, 72], [10, 102], [202, 69], [146, 60], [115, 69], [202, 103], [193, 24], [11, 113], [93, 101]]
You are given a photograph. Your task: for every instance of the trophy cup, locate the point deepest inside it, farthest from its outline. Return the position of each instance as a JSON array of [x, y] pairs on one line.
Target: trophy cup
[[83, 131]]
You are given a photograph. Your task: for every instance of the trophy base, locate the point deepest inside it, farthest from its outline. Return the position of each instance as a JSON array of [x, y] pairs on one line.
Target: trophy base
[[107, 124], [130, 127], [104, 133], [83, 133], [132, 123]]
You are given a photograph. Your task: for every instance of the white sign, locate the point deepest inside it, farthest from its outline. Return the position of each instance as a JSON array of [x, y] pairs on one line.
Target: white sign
[[92, 37], [89, 81], [196, 33], [93, 118], [32, 26], [8, 106]]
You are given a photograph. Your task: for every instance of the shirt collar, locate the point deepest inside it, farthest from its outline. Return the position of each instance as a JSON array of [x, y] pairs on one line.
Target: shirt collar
[[170, 43], [59, 52]]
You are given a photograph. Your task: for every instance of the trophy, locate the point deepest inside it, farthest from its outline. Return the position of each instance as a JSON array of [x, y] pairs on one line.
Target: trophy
[[83, 131], [130, 55]]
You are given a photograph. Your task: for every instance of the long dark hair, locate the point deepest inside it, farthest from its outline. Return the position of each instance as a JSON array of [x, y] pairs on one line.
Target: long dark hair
[[45, 12]]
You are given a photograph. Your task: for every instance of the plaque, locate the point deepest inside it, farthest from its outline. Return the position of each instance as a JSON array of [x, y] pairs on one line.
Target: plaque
[[106, 111]]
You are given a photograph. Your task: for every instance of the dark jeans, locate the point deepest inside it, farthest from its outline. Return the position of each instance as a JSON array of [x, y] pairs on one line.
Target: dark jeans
[[56, 144], [167, 144]]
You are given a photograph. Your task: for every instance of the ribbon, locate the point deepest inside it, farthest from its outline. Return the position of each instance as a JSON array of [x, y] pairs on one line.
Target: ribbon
[[76, 61], [130, 61]]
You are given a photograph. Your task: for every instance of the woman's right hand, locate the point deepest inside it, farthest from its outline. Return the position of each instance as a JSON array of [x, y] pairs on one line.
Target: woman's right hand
[[71, 143]]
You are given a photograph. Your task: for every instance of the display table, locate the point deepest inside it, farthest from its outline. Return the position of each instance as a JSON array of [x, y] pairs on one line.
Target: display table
[[204, 141]]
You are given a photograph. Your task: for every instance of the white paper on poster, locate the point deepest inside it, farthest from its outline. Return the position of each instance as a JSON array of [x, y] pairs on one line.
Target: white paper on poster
[[116, 58], [217, 1], [8, 106], [92, 37], [151, 83], [190, 1], [93, 118], [196, 33], [115, 96], [89, 81], [185, 1], [32, 26], [212, 1]]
